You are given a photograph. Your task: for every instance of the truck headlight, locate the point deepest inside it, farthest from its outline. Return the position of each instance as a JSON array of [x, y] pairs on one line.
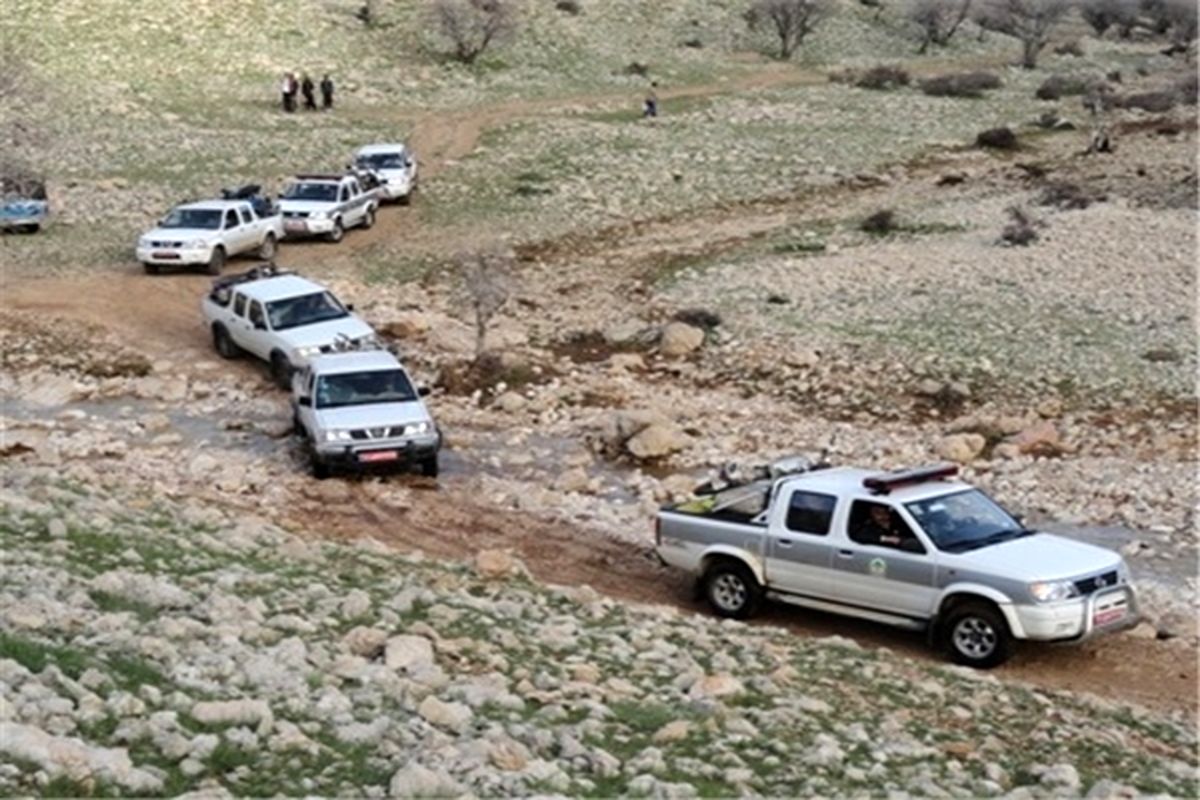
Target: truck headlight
[[1050, 591], [416, 428], [308, 351], [319, 215], [196, 243], [337, 436]]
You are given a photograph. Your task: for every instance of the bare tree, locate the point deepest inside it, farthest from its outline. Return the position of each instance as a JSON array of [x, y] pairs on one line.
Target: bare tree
[[938, 20], [24, 130], [1182, 17], [487, 278], [472, 26], [1029, 21], [789, 20], [1104, 14]]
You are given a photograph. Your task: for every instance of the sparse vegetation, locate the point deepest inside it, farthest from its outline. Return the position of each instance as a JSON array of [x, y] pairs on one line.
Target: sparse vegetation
[[1103, 15], [486, 277], [474, 26], [1001, 138], [883, 78], [790, 21], [937, 20], [1021, 229], [961, 84], [1059, 86], [1031, 22]]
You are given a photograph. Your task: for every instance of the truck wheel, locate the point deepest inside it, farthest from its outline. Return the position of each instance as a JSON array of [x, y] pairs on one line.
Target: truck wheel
[[281, 371], [267, 250], [368, 218], [32, 227], [151, 269], [216, 261], [977, 635], [405, 199], [319, 469], [224, 344], [429, 466], [337, 233], [731, 589]]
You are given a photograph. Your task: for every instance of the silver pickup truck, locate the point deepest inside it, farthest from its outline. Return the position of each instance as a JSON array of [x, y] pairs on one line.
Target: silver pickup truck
[[914, 548]]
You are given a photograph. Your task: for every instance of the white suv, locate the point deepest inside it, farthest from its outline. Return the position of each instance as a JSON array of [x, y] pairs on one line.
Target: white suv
[[396, 167]]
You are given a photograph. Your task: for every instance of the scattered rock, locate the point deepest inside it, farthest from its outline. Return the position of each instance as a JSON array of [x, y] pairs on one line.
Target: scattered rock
[[679, 339], [409, 653], [962, 448]]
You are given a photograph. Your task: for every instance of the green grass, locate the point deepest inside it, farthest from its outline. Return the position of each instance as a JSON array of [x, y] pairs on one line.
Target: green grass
[[36, 655], [117, 604]]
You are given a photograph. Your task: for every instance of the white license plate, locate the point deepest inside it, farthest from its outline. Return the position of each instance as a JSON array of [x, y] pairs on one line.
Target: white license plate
[[1108, 616], [291, 225]]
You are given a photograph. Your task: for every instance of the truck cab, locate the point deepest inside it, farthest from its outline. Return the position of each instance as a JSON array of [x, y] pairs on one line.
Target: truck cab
[[914, 549]]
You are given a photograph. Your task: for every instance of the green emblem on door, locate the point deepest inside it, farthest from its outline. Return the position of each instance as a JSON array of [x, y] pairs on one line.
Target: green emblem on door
[[877, 566]]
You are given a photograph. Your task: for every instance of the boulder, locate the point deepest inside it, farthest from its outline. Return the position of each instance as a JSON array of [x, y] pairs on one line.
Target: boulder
[[572, 480], [74, 759], [409, 653], [498, 564], [416, 781], [719, 685], [234, 712], [656, 441], [679, 339], [508, 755], [451, 716], [364, 641], [962, 448], [406, 325], [672, 732], [1041, 439], [510, 402]]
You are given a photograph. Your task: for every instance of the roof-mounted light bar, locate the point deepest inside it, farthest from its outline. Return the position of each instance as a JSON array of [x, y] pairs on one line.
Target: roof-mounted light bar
[[887, 481]]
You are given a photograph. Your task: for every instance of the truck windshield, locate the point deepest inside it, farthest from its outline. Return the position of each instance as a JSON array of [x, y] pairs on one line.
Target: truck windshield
[[381, 161], [320, 192], [964, 521], [307, 309], [364, 388], [207, 219]]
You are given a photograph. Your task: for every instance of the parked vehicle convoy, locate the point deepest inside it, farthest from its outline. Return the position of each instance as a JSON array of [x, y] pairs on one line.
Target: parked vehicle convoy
[[207, 233], [914, 548], [279, 317], [396, 167], [23, 205], [327, 205], [359, 410]]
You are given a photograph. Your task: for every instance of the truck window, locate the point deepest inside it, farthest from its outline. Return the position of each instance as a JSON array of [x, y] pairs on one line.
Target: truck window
[[239, 305], [809, 512], [256, 313], [878, 524], [344, 195], [246, 215], [231, 219]]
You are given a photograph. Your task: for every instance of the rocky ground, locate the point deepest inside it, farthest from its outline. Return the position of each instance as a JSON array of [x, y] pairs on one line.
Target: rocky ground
[[156, 647], [184, 608]]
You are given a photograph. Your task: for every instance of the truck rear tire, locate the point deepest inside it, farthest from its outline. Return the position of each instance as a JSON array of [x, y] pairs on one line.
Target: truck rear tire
[[731, 589], [976, 635], [338, 232], [216, 262]]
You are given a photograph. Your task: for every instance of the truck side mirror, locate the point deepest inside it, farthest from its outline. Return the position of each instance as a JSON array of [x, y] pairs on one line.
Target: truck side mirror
[[349, 306], [423, 391], [305, 401]]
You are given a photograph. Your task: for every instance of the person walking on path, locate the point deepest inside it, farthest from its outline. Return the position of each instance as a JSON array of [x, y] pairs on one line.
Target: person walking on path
[[306, 88], [650, 107], [326, 92]]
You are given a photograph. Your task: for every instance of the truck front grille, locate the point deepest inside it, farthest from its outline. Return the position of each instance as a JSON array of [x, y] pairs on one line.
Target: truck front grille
[[166, 245], [1094, 583], [295, 214], [377, 433]]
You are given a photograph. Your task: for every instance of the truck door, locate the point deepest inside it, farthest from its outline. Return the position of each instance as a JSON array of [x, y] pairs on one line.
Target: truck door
[[799, 551], [240, 329], [259, 339], [882, 564]]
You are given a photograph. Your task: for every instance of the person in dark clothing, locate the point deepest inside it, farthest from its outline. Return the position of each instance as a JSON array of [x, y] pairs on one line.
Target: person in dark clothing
[[880, 527], [306, 89], [650, 108], [326, 92]]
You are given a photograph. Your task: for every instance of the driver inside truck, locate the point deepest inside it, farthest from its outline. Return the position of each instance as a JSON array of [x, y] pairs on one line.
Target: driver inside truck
[[881, 526]]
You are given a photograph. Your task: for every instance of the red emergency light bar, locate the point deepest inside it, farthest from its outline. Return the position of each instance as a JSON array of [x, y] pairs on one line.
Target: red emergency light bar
[[884, 483]]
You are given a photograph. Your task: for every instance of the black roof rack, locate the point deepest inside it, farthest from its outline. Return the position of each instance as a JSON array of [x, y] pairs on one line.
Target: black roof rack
[[319, 176], [884, 482], [268, 270]]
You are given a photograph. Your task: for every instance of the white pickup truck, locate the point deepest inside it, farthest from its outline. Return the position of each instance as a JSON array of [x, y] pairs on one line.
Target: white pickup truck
[[396, 167], [207, 233], [912, 548], [359, 410], [279, 317], [327, 205]]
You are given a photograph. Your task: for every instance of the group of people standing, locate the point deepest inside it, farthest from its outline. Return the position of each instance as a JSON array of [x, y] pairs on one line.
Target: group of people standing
[[305, 87]]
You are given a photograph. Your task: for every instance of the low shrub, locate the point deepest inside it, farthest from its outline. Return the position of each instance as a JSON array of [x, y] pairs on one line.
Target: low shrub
[[1071, 48], [1152, 102], [882, 77], [699, 318], [1057, 86], [1001, 138], [1187, 88], [1068, 196], [880, 223], [961, 84], [568, 6], [1021, 229]]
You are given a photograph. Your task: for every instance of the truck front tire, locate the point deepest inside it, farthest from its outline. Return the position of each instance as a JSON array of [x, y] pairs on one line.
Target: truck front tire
[[368, 219], [335, 235], [151, 269], [429, 466], [216, 262], [731, 589], [267, 250], [976, 635], [281, 370], [223, 343]]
